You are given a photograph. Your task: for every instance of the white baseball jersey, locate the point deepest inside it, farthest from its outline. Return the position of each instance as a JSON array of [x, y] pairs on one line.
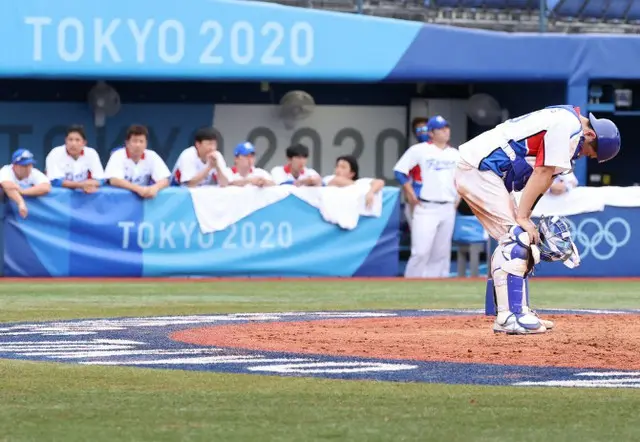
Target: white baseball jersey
[[282, 174], [35, 177], [61, 166], [437, 167], [550, 135], [189, 165], [326, 180], [254, 172], [150, 169]]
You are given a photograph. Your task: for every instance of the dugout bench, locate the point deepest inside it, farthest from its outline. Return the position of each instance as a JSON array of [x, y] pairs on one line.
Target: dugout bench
[[470, 241]]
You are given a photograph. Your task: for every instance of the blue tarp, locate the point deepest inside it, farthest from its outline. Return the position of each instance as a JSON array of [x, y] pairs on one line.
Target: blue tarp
[[115, 233]]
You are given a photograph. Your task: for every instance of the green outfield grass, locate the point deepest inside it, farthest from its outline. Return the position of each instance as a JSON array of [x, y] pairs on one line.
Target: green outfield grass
[[47, 401]]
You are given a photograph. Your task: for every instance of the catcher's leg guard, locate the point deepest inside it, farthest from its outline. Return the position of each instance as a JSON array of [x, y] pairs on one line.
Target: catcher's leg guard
[[510, 265]]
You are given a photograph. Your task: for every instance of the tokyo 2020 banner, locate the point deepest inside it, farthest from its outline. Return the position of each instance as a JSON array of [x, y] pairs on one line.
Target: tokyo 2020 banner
[[115, 233]]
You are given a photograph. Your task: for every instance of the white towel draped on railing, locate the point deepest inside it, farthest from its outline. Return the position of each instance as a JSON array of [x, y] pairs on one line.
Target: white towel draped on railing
[[217, 208], [585, 200]]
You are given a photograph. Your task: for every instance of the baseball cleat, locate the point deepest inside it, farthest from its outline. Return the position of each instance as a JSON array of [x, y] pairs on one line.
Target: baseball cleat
[[548, 324], [518, 324]]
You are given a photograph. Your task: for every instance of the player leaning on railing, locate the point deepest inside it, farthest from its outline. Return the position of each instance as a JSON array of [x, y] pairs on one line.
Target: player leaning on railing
[[525, 154], [75, 165], [20, 179]]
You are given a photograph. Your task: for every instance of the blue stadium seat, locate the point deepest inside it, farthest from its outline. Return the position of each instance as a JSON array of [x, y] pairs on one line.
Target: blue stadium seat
[[471, 3], [523, 4], [569, 8], [493, 4], [634, 12], [552, 4], [447, 3], [496, 4], [617, 10], [594, 9]]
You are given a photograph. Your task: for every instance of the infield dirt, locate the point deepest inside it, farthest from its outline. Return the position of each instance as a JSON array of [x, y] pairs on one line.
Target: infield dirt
[[580, 341]]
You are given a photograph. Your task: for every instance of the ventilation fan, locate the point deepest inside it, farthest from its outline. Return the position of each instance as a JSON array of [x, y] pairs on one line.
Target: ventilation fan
[[484, 110], [295, 106], [105, 102]]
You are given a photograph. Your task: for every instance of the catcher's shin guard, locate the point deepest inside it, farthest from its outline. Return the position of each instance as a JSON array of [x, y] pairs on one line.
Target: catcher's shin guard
[[517, 294], [517, 291], [510, 265]]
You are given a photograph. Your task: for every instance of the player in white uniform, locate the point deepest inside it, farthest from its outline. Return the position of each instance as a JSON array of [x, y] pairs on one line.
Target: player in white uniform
[[137, 168], [421, 132], [20, 179], [434, 208], [524, 153], [202, 164], [295, 171], [347, 172], [244, 171], [74, 165]]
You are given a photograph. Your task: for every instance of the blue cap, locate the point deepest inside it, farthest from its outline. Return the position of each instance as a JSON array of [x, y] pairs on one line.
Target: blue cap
[[608, 137], [22, 157], [436, 122], [244, 149]]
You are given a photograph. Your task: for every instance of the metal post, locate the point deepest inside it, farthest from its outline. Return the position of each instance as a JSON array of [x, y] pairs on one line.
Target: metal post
[[360, 6], [543, 15], [3, 215]]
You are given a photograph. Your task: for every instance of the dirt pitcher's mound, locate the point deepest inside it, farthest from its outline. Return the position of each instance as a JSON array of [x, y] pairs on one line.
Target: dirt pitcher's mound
[[581, 341]]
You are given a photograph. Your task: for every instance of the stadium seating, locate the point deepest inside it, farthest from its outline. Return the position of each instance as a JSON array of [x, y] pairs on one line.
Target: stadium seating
[[633, 14], [496, 4], [569, 16], [593, 9]]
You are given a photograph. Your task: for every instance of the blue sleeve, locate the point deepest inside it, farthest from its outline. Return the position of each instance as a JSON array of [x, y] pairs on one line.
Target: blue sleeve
[[401, 177], [57, 182]]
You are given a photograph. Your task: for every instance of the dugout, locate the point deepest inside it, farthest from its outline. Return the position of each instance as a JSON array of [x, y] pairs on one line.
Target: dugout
[[177, 69]]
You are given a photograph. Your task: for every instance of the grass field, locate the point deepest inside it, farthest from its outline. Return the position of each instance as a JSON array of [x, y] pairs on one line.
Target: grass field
[[65, 402]]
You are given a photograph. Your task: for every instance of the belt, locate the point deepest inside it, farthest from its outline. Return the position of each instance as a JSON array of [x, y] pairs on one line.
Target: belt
[[435, 202]]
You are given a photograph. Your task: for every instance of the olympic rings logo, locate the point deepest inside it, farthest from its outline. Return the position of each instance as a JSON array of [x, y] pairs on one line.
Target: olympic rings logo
[[585, 236]]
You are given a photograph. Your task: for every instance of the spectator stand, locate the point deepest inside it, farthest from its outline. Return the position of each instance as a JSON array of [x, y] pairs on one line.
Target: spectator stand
[[566, 16]]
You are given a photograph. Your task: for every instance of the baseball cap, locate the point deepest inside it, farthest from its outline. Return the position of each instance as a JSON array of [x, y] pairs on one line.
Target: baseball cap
[[244, 149], [22, 157], [436, 122], [608, 137]]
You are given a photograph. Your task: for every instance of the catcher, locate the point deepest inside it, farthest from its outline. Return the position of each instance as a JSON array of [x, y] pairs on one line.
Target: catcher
[[524, 154]]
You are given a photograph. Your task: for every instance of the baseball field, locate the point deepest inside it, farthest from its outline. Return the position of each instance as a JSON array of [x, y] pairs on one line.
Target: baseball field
[[305, 360]]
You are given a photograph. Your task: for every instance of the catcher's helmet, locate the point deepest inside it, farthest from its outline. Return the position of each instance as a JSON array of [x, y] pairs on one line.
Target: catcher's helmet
[[608, 137], [555, 239]]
